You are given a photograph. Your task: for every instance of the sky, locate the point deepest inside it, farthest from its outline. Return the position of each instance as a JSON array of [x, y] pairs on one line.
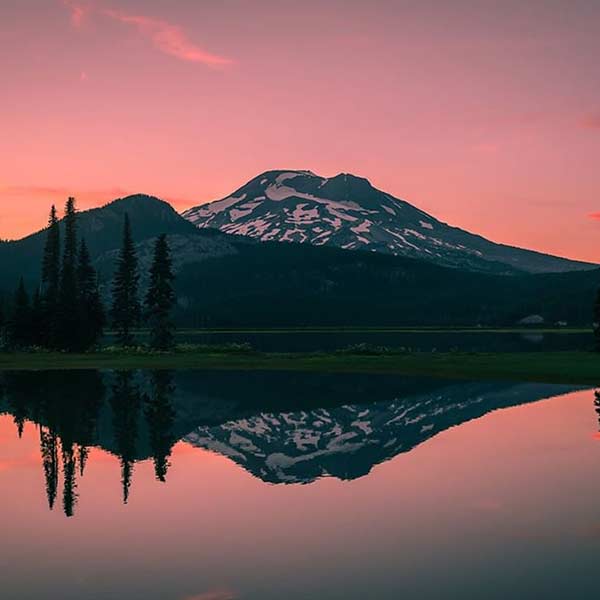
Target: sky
[[485, 114]]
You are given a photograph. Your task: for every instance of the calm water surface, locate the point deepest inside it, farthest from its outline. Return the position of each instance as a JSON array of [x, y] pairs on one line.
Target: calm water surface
[[220, 486]]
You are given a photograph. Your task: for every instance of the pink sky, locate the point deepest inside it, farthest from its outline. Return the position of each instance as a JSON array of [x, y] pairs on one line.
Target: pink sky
[[485, 114]]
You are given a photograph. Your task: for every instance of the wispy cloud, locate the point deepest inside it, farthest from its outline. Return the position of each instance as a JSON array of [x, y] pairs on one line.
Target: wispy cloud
[[595, 216], [168, 38], [165, 36]]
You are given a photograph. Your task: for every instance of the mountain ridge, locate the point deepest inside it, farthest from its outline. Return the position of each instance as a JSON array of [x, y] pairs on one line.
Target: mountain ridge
[[102, 227], [348, 212], [235, 281]]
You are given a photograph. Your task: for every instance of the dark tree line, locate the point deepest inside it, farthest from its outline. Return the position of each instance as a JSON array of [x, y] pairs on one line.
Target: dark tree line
[[66, 311]]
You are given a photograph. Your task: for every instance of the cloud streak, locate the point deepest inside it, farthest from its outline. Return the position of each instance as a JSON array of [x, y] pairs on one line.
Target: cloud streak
[[594, 216], [166, 37]]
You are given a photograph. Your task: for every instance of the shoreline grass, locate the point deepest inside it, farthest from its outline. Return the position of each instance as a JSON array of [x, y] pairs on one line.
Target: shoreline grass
[[374, 329], [550, 367]]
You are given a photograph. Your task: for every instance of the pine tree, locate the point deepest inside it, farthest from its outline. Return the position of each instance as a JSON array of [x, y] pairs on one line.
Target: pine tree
[[91, 311], [160, 298], [51, 281], [126, 306], [20, 324], [68, 313]]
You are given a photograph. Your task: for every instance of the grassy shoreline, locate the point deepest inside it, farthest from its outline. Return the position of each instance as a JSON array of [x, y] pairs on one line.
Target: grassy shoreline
[[550, 367], [415, 329]]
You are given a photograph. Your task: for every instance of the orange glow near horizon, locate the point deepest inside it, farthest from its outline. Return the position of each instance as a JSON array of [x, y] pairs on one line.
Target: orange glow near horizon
[[485, 115]]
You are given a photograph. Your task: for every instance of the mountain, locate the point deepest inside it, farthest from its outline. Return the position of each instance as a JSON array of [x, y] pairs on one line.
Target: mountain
[[348, 212], [235, 281], [103, 230]]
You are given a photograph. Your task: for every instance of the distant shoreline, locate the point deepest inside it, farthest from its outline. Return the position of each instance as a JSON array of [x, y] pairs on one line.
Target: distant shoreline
[[544, 367], [407, 329]]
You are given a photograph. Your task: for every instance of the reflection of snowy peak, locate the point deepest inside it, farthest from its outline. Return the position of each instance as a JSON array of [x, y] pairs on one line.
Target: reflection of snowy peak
[[347, 441], [348, 212]]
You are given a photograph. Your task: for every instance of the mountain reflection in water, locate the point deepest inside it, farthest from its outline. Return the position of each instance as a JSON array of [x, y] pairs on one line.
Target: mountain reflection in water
[[281, 427]]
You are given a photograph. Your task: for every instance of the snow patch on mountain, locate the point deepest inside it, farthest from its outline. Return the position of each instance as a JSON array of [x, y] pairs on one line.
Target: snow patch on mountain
[[348, 212]]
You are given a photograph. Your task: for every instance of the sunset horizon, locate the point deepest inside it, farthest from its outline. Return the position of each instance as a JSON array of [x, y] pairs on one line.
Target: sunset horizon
[[84, 202], [487, 119]]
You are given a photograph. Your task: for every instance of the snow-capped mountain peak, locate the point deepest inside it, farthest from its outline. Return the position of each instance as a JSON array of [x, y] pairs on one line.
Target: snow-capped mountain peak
[[346, 211]]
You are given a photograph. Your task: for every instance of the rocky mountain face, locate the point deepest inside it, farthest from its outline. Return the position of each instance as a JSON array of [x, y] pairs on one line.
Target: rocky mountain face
[[348, 212]]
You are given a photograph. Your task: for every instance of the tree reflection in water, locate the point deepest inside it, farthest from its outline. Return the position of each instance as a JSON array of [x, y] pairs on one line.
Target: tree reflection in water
[[283, 428], [66, 410]]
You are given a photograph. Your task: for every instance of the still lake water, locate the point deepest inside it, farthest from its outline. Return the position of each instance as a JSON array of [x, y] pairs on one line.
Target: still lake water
[[219, 486]]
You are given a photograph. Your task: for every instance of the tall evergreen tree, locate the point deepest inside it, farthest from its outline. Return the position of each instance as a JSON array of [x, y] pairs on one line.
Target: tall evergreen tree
[[91, 311], [160, 297], [68, 313], [126, 308], [20, 324], [51, 280]]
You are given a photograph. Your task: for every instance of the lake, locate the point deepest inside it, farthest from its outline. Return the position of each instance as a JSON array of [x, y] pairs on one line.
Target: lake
[[191, 485]]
